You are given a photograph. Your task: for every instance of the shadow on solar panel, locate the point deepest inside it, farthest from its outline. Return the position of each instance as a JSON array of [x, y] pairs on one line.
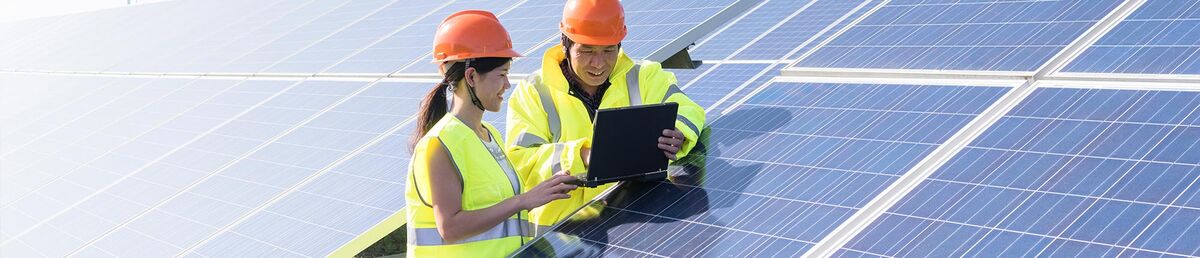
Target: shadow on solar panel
[[640, 212]]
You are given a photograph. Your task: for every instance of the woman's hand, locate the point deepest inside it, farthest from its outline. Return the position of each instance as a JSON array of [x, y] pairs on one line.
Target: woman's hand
[[552, 189]]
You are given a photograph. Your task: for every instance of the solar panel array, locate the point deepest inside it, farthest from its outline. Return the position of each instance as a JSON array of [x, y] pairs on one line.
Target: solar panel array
[[280, 128]]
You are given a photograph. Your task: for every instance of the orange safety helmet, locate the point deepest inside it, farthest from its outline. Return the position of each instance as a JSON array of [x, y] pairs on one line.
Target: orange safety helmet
[[471, 34], [594, 22]]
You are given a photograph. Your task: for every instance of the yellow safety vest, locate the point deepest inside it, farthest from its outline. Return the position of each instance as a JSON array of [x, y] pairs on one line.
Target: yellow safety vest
[[547, 127], [485, 183]]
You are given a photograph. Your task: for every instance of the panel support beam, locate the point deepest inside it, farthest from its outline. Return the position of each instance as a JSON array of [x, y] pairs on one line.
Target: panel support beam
[[883, 202]]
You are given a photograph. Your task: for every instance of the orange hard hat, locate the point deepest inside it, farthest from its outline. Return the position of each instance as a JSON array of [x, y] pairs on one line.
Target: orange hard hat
[[471, 34], [594, 22]]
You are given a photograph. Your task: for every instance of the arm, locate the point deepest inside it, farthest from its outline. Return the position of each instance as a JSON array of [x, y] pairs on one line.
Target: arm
[[454, 223], [529, 143], [676, 143]]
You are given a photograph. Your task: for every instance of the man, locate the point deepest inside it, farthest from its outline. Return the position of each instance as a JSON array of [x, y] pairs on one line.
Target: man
[[551, 113]]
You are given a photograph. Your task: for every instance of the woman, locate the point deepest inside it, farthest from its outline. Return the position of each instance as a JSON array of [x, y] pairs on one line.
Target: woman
[[464, 198]]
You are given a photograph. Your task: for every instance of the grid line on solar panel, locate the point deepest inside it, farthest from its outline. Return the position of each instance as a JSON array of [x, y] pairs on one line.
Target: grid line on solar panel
[[1157, 38], [804, 26], [352, 89], [249, 220], [526, 23], [126, 141], [1089, 149], [158, 53], [351, 39], [92, 131], [178, 60], [209, 55], [103, 85], [397, 50], [955, 36], [264, 36], [81, 116], [745, 26], [308, 35], [284, 83], [766, 205]]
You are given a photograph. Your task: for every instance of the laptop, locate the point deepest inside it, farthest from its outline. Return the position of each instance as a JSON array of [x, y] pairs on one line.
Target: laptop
[[625, 144]]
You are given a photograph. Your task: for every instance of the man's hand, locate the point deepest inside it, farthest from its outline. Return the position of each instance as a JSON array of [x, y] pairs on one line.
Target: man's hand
[[670, 143]]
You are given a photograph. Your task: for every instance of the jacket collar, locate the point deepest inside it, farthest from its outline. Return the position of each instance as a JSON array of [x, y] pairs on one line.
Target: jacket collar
[[553, 77]]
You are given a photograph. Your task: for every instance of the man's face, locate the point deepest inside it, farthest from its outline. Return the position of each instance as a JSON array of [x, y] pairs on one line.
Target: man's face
[[593, 64]]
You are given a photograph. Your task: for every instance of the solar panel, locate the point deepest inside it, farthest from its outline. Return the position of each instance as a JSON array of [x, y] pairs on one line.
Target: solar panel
[[953, 35], [1070, 171], [651, 24], [316, 30], [216, 32], [722, 80], [531, 25], [1158, 38], [346, 42], [783, 169], [348, 199], [808, 21], [259, 36], [191, 164], [409, 45], [289, 138], [722, 43]]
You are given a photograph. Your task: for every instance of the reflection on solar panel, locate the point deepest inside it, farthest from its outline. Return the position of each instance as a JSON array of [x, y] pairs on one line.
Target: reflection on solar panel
[[783, 170], [140, 131], [1086, 172], [410, 45], [1159, 38], [977, 35]]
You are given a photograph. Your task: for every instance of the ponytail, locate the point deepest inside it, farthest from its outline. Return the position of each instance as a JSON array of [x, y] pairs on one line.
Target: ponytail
[[434, 106]]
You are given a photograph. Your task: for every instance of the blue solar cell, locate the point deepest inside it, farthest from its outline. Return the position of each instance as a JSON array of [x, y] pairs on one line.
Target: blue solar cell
[[410, 45], [350, 198], [984, 35], [718, 46], [1158, 38], [782, 171], [258, 37], [350, 40], [180, 56], [327, 24], [78, 192], [721, 81], [269, 25], [532, 25], [810, 21], [1068, 171], [181, 170]]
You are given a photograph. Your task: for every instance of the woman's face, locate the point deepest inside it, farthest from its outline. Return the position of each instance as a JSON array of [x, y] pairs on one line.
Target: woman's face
[[490, 86]]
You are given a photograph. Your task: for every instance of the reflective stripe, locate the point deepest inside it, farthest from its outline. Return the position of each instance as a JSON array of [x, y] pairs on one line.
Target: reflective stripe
[[508, 228], [556, 160], [548, 106], [502, 161], [671, 91], [688, 123], [529, 140], [631, 80]]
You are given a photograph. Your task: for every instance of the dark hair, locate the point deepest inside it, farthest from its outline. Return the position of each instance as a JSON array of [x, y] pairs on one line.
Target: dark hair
[[433, 107]]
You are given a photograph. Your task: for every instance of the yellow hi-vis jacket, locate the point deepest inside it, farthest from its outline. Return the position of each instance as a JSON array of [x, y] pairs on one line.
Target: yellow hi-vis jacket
[[485, 183], [547, 127]]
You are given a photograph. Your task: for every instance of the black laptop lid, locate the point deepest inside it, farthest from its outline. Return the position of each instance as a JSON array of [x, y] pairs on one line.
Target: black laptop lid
[[625, 141]]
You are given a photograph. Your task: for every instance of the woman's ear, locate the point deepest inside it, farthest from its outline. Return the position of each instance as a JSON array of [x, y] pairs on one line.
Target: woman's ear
[[470, 76]]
